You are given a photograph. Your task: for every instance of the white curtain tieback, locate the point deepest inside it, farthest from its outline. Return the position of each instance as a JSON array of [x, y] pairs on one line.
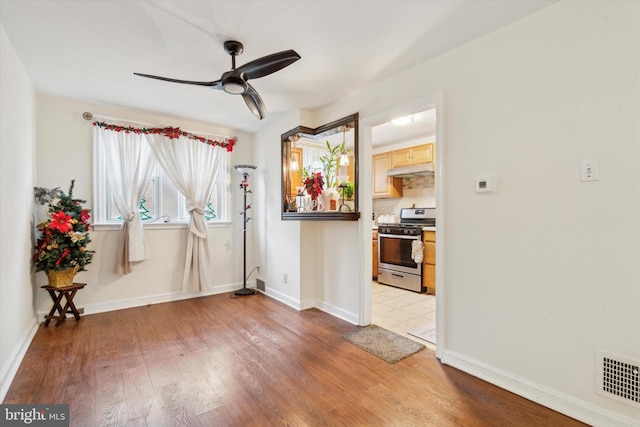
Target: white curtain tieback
[[198, 225], [199, 211], [129, 218]]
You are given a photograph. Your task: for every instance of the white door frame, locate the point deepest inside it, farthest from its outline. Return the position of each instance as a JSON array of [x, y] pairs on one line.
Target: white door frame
[[366, 124]]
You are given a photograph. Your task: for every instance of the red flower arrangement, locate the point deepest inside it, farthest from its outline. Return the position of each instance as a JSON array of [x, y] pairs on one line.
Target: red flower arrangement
[[64, 236], [313, 184]]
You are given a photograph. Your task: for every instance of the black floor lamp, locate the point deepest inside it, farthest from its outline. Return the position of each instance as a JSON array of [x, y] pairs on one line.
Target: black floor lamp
[[244, 170]]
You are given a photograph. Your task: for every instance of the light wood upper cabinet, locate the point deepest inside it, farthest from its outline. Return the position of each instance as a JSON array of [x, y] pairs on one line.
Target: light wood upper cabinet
[[412, 156], [422, 154], [384, 186]]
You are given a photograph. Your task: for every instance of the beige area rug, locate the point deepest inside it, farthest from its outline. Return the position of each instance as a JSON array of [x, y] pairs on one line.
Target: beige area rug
[[426, 332], [383, 343]]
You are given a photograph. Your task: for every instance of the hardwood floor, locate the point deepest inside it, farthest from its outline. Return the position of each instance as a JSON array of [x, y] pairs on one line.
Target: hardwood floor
[[248, 361]]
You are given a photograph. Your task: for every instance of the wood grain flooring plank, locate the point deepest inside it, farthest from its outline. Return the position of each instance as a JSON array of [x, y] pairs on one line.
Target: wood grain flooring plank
[[110, 399], [32, 370], [176, 407], [145, 411], [162, 372], [218, 417], [136, 382], [82, 403], [253, 361], [200, 393]]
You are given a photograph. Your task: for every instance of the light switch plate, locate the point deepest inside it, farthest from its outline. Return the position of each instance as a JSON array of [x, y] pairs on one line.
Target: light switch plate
[[589, 170]]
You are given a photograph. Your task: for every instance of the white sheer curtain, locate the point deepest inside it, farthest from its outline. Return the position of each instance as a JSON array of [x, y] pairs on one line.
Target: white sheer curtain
[[129, 163], [192, 166]]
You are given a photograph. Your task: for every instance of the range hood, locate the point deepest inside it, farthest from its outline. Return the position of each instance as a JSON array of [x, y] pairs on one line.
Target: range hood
[[412, 171]]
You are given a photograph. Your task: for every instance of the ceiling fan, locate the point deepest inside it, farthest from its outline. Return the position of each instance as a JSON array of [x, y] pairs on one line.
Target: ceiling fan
[[236, 82]]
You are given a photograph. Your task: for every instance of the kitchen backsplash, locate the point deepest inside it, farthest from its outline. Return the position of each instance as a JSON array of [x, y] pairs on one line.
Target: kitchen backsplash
[[419, 191]]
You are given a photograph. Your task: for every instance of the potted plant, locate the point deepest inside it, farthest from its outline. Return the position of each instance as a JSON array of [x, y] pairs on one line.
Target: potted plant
[[349, 190], [330, 163], [61, 248]]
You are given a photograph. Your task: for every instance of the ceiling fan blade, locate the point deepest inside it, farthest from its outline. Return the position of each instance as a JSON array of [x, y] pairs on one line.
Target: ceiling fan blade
[[267, 64], [254, 102], [190, 82]]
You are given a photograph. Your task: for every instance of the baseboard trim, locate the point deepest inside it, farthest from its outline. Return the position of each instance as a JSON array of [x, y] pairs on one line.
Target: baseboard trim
[[338, 312], [560, 402], [283, 298], [307, 304], [153, 299], [10, 368]]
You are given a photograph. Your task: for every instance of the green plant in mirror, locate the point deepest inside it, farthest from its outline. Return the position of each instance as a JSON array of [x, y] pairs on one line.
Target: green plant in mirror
[[306, 172], [330, 163], [349, 190]]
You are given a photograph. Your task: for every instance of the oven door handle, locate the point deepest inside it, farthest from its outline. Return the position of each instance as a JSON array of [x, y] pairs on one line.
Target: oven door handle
[[399, 236]]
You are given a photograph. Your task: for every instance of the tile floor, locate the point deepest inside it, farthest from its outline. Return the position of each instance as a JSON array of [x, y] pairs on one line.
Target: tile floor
[[399, 310]]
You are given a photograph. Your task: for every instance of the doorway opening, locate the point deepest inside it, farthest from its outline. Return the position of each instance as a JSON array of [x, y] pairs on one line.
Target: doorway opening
[[416, 315]]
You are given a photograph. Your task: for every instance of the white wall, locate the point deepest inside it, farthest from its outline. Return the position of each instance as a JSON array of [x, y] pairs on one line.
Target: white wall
[[537, 276], [278, 247], [321, 269], [543, 273], [331, 275], [64, 152], [17, 153]]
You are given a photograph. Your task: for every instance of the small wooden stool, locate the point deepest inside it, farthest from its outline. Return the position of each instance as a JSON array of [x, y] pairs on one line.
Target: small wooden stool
[[68, 293]]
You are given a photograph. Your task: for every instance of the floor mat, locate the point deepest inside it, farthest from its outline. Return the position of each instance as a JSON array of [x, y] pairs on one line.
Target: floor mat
[[383, 343]]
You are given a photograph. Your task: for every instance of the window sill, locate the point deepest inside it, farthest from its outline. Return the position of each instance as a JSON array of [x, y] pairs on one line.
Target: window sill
[[158, 226]]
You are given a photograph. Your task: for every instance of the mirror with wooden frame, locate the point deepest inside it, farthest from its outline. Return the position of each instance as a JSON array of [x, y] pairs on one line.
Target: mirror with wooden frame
[[320, 172]]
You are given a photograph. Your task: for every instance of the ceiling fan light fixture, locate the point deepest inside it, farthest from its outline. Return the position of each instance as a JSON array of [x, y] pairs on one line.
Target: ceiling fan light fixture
[[234, 86], [402, 121], [236, 80]]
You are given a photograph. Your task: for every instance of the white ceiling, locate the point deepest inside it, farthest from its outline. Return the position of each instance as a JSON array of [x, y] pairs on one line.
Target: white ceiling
[[423, 126], [88, 50]]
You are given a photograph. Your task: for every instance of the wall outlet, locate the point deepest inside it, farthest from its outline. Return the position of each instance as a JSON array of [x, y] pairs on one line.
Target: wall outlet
[[285, 278]]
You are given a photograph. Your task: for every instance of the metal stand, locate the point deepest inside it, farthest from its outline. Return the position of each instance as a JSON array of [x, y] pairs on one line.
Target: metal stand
[[245, 175]]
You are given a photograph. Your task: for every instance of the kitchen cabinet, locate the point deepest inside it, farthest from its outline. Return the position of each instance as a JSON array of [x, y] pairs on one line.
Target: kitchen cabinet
[[383, 185], [412, 156], [429, 261], [374, 255]]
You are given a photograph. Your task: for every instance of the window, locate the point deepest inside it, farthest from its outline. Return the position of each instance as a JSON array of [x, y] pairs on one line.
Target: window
[[216, 209], [147, 206], [161, 202]]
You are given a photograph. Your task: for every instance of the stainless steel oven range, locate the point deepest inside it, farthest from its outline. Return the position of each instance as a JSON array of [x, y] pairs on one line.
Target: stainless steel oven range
[[396, 266]]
